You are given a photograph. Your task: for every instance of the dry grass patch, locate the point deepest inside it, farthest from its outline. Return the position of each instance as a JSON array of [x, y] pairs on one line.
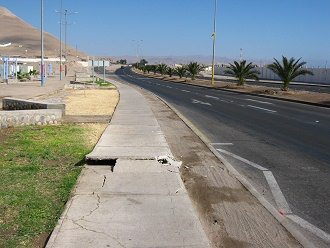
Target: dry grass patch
[[95, 131], [91, 102]]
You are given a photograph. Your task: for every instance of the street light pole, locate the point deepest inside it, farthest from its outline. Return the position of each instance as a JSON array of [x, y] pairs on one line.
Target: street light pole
[[66, 13], [61, 53], [214, 38], [42, 66]]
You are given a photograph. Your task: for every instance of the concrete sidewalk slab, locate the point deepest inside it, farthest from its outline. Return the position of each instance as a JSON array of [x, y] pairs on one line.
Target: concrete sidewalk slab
[[120, 140], [128, 152], [142, 202]]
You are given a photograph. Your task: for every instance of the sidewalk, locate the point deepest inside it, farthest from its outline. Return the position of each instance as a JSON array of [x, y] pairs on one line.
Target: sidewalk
[[142, 203]]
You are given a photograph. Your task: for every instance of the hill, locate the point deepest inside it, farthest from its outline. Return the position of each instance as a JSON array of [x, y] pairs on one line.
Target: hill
[[25, 38]]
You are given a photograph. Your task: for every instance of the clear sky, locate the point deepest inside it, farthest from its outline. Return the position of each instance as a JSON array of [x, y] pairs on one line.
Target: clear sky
[[263, 28]]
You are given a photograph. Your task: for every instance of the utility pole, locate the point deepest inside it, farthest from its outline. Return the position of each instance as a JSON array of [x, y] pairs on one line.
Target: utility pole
[[42, 66], [241, 55], [138, 44], [103, 71], [214, 35], [66, 13], [61, 23]]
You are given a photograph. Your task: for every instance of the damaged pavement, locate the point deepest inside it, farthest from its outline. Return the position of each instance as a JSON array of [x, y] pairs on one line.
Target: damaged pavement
[[131, 193]]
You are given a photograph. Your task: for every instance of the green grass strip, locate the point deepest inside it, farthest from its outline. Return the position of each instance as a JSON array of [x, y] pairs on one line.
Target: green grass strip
[[37, 174]]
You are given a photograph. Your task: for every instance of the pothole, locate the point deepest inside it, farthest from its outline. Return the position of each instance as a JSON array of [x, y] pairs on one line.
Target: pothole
[[104, 162]]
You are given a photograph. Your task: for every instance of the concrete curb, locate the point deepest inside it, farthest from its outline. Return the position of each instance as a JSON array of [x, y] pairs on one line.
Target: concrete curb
[[245, 93], [283, 220]]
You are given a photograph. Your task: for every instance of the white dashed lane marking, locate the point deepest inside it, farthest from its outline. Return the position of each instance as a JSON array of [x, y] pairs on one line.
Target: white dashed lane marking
[[256, 107], [213, 97], [252, 100], [200, 102]]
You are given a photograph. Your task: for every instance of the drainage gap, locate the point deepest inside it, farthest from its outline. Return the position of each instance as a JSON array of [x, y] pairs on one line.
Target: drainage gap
[[107, 162]]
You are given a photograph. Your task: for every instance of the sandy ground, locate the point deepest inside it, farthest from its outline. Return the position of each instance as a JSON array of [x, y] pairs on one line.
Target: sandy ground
[[91, 102]]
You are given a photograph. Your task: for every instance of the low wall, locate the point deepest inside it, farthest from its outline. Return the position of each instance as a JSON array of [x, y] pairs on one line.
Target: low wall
[[9, 103], [30, 117], [18, 112]]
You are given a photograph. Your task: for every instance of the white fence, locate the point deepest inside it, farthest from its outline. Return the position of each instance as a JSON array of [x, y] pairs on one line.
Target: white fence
[[320, 75]]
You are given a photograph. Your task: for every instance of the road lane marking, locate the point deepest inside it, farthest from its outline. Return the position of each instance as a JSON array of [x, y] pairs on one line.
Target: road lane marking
[[168, 87], [200, 102], [227, 101], [313, 229], [259, 167], [280, 200], [186, 91], [248, 99], [268, 110], [222, 144], [213, 97]]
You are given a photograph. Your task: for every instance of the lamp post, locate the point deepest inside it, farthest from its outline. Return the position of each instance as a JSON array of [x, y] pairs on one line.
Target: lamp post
[[66, 13], [61, 23], [214, 38], [138, 44], [42, 66]]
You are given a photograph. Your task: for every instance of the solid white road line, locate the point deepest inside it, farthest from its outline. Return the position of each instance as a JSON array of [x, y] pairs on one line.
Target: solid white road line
[[248, 99], [277, 193], [268, 110], [313, 229], [213, 97], [186, 91], [200, 102], [280, 199], [221, 144], [259, 167]]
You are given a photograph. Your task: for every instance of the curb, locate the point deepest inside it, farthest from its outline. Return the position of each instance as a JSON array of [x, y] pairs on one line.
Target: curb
[[283, 220], [245, 93]]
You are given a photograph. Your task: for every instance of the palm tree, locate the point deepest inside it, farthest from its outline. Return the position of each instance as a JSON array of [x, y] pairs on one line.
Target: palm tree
[[288, 70], [170, 71], [153, 68], [194, 68], [181, 71], [162, 68], [242, 71]]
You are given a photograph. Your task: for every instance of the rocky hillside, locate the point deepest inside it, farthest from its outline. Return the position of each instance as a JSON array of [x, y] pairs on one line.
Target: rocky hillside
[[25, 38]]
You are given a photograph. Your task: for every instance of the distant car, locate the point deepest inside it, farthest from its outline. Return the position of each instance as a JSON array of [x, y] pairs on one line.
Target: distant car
[[122, 67]]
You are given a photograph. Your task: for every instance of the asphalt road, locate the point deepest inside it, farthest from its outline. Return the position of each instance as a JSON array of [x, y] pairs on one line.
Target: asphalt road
[[289, 139]]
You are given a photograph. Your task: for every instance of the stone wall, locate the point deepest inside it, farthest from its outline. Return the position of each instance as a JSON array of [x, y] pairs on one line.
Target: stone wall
[[9, 103], [30, 117], [18, 112]]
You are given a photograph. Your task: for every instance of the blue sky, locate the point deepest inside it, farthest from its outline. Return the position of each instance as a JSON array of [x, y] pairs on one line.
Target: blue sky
[[263, 28]]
